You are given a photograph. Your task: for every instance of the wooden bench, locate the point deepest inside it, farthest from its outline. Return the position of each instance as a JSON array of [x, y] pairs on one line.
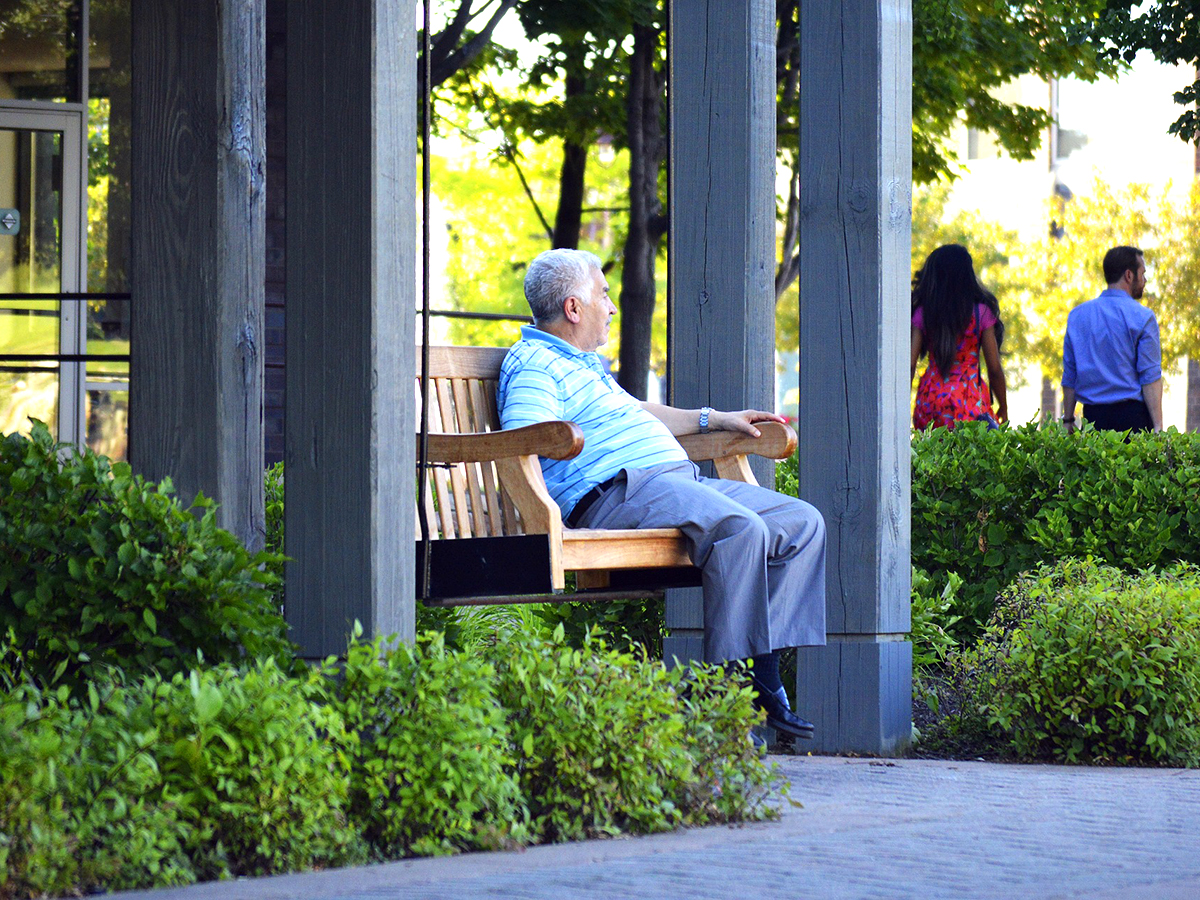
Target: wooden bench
[[486, 482]]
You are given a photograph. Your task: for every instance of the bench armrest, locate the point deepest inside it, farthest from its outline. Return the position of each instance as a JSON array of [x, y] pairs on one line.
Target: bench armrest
[[776, 442], [554, 440]]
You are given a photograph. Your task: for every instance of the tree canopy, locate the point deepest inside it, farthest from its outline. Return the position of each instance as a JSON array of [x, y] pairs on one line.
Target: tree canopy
[[1170, 30], [964, 51], [598, 74]]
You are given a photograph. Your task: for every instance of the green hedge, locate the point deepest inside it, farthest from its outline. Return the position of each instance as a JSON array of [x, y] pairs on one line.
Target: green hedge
[[253, 766], [420, 749], [988, 505], [431, 756], [1085, 663], [99, 569], [212, 774], [608, 741]]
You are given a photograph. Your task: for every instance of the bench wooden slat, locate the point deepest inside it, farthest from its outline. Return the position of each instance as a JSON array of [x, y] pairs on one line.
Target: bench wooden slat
[[458, 487], [464, 362], [438, 485], [467, 422], [485, 392], [491, 489], [431, 513], [632, 548]]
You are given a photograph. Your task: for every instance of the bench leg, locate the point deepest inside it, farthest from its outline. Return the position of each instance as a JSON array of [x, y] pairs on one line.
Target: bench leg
[[684, 643]]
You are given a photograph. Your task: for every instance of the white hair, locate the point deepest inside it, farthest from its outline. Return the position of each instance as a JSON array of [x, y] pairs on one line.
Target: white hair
[[555, 275]]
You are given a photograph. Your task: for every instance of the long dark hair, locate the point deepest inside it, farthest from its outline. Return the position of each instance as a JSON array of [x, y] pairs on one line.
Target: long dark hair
[[947, 290]]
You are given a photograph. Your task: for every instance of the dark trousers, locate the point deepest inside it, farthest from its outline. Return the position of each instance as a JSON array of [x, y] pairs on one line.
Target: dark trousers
[[1125, 415]]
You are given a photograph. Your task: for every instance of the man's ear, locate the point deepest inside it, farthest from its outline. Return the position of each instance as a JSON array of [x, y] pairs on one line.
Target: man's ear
[[571, 309]]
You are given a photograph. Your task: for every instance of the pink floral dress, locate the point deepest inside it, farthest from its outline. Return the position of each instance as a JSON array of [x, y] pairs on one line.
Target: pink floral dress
[[962, 394]]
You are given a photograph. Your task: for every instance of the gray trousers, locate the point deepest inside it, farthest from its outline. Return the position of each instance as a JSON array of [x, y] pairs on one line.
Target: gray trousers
[[761, 553]]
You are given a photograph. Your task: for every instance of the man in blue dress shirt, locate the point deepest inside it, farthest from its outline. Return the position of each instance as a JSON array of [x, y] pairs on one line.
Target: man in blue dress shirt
[[761, 554], [1112, 359]]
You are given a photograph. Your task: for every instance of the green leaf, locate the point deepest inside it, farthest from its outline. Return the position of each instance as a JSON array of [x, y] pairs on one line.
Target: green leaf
[[209, 702]]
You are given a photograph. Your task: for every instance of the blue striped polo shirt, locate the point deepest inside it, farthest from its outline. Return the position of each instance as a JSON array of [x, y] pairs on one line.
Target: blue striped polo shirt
[[543, 378]]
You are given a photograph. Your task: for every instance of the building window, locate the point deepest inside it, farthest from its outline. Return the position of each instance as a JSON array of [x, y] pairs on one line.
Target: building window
[[64, 187]]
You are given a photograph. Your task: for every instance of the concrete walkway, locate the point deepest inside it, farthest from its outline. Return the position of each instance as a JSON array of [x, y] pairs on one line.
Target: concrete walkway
[[867, 829]]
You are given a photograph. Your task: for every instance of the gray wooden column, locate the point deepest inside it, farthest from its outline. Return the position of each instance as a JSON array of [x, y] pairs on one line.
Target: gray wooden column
[[722, 229], [855, 189], [350, 330], [196, 254]]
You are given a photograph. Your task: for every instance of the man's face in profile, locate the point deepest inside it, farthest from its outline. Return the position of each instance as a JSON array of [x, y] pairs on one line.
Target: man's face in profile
[[1139, 280]]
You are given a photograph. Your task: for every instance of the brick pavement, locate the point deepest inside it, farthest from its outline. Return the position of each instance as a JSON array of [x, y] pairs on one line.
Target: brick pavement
[[867, 829]]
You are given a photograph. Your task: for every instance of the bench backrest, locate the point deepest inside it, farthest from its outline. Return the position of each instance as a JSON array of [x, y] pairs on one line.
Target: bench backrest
[[465, 499]]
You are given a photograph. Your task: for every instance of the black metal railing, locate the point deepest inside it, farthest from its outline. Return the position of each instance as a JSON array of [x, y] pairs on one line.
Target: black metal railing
[[66, 297]]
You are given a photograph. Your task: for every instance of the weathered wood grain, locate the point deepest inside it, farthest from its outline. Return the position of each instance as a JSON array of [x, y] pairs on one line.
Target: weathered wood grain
[[721, 339], [197, 253], [855, 121], [351, 256]]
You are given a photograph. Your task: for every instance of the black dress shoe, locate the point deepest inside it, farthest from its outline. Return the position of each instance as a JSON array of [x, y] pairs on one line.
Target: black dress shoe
[[780, 715]]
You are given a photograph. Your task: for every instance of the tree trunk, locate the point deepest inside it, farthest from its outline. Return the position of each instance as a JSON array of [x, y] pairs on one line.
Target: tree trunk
[[570, 183], [789, 261], [647, 224], [1193, 394], [787, 79]]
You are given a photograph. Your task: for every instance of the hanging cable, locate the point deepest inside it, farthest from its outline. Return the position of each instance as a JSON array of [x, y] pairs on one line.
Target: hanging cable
[[423, 458]]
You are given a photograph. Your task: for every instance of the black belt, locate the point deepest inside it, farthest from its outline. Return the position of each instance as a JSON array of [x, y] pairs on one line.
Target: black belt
[[585, 502]]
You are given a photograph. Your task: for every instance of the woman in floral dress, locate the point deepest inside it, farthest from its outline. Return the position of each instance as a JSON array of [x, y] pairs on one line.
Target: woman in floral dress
[[955, 321]]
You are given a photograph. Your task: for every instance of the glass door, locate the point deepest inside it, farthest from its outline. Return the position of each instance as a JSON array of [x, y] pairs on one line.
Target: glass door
[[43, 317]]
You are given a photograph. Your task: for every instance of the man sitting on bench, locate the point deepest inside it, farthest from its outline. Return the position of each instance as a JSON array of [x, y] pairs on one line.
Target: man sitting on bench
[[761, 554]]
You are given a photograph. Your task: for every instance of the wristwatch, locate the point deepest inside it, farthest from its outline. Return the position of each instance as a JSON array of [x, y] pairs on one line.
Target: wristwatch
[[704, 413]]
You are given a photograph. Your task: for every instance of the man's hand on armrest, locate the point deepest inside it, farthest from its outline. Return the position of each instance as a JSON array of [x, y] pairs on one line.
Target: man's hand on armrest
[[742, 420], [687, 421]]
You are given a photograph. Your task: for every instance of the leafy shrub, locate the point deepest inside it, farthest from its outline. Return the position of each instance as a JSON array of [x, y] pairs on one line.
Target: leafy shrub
[[787, 475], [79, 798], [256, 766], [988, 505], [212, 774], [273, 499], [37, 854], [99, 569], [604, 743], [430, 767], [634, 623], [1083, 662], [931, 619], [127, 829], [729, 782], [221, 772]]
